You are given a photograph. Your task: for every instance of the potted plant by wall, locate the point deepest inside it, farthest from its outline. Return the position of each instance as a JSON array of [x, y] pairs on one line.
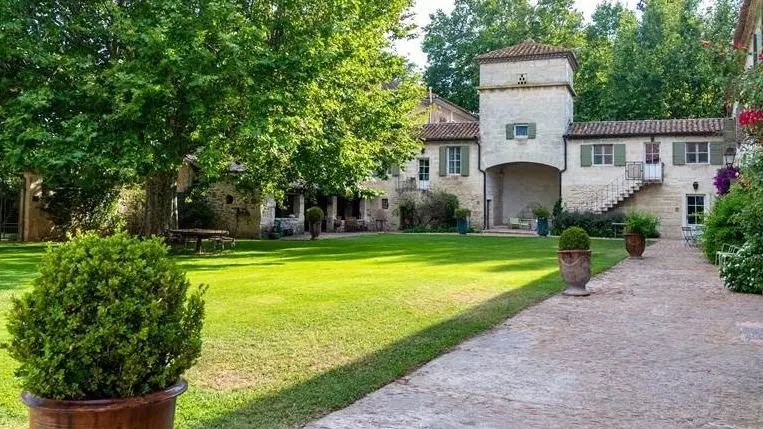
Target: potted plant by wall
[[638, 226], [542, 214], [105, 335], [315, 218], [462, 220], [575, 260]]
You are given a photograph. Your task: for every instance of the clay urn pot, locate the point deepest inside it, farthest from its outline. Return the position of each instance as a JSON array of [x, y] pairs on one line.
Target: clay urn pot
[[635, 244], [315, 230], [575, 266], [153, 411]]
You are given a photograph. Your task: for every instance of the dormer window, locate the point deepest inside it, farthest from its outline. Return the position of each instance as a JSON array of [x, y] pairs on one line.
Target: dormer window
[[521, 131]]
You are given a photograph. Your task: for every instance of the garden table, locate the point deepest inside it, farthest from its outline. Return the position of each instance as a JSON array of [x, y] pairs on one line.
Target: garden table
[[199, 235]]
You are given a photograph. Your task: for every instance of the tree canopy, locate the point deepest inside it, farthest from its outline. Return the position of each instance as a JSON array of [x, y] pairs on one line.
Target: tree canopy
[[669, 59], [112, 92]]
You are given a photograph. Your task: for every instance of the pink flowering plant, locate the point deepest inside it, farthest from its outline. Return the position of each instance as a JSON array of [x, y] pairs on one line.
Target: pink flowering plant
[[750, 98]]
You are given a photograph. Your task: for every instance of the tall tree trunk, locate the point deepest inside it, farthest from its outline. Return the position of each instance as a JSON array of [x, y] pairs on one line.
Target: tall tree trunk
[[161, 203]]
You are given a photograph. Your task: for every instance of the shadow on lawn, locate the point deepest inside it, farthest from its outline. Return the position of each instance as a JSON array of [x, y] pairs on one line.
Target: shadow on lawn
[[339, 387], [447, 250]]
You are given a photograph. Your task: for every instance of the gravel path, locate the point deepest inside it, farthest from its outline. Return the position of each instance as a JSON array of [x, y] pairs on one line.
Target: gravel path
[[659, 344]]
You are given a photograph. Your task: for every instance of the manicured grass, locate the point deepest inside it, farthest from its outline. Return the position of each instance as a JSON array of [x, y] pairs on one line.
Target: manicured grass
[[297, 329]]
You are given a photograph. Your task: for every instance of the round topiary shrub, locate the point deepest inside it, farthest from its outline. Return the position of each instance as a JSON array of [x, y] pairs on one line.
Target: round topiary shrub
[[574, 238], [315, 214], [743, 271], [108, 318]]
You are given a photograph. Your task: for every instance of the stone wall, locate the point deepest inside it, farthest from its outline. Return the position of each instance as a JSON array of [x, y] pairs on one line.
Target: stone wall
[[234, 212], [667, 200], [467, 188], [296, 222], [544, 99], [35, 225]]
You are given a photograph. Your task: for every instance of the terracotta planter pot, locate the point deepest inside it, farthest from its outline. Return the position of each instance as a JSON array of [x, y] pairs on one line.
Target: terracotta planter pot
[[153, 411], [315, 229], [575, 266], [635, 244]]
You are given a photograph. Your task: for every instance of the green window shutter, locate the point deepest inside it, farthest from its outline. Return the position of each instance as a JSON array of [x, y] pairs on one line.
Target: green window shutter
[[531, 130], [464, 160], [716, 154], [443, 160], [586, 155], [679, 153], [395, 171], [509, 131], [619, 151]]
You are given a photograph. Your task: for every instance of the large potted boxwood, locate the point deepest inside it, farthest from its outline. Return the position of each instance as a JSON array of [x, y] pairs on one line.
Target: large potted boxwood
[[575, 260], [542, 214], [105, 335], [638, 226], [462, 220], [315, 219]]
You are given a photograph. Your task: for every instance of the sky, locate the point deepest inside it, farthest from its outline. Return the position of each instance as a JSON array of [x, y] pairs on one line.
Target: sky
[[422, 9]]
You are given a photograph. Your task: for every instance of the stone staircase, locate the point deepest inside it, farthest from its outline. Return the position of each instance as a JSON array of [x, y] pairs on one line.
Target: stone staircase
[[617, 191]]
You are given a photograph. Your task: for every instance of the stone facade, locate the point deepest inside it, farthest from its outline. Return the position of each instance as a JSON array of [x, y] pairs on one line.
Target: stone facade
[[35, 225], [469, 188], [666, 199]]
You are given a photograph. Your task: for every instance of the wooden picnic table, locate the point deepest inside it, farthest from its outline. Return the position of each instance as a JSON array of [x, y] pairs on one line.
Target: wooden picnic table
[[199, 234]]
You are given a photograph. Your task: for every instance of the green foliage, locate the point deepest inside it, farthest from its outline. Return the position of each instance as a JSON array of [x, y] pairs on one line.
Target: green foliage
[[107, 318], [462, 213], [642, 223], [120, 92], [434, 209], [451, 41], [195, 211], [574, 238], [722, 222], [86, 209], [743, 271], [596, 225], [315, 214], [131, 209], [673, 60], [541, 212], [558, 208]]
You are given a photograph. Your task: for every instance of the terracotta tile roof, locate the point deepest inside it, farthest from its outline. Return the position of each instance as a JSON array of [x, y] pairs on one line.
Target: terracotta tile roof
[[662, 127], [450, 131], [528, 50]]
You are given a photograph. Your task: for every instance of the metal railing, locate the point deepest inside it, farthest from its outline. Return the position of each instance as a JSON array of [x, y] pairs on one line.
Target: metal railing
[[609, 196]]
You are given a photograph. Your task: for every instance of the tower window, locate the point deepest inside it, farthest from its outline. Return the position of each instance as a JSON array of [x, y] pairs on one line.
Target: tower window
[[522, 79]]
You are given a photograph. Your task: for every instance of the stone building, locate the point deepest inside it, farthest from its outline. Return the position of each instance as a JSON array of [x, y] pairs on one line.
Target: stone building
[[526, 151]]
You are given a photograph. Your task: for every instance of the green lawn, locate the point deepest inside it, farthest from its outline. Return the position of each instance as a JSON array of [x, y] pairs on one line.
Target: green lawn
[[296, 329]]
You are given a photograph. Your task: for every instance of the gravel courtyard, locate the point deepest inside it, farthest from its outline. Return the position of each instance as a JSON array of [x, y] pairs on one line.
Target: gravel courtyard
[[659, 344]]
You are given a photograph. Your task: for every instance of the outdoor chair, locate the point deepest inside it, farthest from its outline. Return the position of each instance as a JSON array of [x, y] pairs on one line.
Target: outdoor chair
[[690, 236], [516, 223], [222, 240], [726, 251]]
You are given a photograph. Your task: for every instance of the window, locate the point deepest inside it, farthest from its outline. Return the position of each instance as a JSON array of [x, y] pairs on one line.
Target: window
[[521, 131], [423, 169], [603, 154], [695, 209], [652, 153], [522, 79], [454, 160], [385, 203], [697, 153]]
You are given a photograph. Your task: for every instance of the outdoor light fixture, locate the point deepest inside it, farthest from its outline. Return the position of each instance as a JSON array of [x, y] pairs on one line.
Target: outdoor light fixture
[[695, 185], [729, 155]]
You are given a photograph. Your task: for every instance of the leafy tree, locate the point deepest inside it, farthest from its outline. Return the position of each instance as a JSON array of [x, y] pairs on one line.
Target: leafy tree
[[451, 41], [121, 91]]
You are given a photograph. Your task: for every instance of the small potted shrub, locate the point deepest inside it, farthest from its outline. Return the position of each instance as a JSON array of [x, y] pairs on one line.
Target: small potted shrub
[[105, 335], [542, 214], [575, 260], [638, 226], [462, 220], [315, 218]]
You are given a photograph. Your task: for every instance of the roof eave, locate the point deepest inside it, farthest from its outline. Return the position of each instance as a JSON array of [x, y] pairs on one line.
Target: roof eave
[[621, 135]]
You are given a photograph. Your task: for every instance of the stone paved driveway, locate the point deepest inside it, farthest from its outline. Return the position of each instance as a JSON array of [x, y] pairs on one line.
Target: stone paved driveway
[[660, 344]]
